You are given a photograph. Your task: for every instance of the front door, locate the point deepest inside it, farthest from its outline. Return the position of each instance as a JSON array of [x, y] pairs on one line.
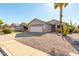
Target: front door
[[53, 28]]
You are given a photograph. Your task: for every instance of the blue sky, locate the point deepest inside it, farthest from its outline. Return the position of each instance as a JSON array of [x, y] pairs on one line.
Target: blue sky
[[17, 13]]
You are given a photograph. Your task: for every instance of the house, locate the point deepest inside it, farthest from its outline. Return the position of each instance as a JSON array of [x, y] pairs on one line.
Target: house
[[37, 25], [1, 26], [19, 28], [16, 27], [13, 26]]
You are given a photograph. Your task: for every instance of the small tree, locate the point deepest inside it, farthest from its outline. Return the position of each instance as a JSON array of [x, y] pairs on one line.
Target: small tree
[[1, 22], [6, 29], [5, 26], [66, 30], [25, 26], [69, 28], [72, 26]]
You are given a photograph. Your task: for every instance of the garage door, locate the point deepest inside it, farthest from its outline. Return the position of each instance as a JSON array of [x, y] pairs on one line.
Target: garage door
[[36, 29]]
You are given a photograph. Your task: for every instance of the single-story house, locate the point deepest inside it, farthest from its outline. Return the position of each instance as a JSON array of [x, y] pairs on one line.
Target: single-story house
[[19, 28], [13, 26], [16, 27], [37, 25]]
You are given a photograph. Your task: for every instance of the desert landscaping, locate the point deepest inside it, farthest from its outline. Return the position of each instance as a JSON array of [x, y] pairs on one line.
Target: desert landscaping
[[39, 29], [50, 42]]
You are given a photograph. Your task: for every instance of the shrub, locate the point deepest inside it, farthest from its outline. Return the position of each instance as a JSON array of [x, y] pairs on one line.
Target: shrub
[[59, 30], [1, 22], [19, 30], [26, 31], [7, 31], [71, 29], [66, 30], [76, 30], [0, 30]]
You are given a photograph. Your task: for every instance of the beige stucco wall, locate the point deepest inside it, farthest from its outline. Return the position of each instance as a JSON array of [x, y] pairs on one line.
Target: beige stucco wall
[[46, 28], [56, 23]]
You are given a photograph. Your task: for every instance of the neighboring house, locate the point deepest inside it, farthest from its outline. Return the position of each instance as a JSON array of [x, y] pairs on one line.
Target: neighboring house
[[1, 26], [37, 25], [16, 27], [12, 26], [19, 28]]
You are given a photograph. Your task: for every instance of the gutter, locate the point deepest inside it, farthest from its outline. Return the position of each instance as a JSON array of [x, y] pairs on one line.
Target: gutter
[[4, 51]]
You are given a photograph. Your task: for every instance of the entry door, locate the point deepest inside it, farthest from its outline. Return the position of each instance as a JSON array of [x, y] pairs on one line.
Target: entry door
[[53, 28]]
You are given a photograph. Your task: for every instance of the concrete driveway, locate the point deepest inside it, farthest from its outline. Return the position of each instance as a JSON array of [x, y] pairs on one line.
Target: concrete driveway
[[14, 48], [29, 34]]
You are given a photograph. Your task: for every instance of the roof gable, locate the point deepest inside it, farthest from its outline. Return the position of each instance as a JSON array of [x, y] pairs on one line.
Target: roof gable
[[53, 22], [36, 22]]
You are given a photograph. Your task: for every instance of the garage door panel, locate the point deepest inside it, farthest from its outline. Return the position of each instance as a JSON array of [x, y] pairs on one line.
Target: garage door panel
[[36, 29]]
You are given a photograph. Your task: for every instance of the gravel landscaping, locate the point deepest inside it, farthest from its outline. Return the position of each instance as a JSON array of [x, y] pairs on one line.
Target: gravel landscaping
[[49, 43]]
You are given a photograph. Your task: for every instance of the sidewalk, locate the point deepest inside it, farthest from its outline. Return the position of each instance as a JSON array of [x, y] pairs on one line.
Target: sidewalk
[[14, 48]]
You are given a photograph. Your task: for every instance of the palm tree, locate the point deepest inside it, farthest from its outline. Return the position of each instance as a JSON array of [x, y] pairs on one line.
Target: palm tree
[[60, 6]]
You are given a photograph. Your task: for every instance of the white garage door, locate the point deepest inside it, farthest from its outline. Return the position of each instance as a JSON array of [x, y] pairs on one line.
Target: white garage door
[[36, 29]]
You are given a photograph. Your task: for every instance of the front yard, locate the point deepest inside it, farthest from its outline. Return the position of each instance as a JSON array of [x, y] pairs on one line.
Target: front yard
[[48, 43]]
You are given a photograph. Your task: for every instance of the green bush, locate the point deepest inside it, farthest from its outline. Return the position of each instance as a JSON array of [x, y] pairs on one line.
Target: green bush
[[7, 31], [0, 30], [76, 30], [71, 29], [26, 31]]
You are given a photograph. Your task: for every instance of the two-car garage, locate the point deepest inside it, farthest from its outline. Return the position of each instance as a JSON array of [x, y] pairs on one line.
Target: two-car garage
[[36, 29]]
